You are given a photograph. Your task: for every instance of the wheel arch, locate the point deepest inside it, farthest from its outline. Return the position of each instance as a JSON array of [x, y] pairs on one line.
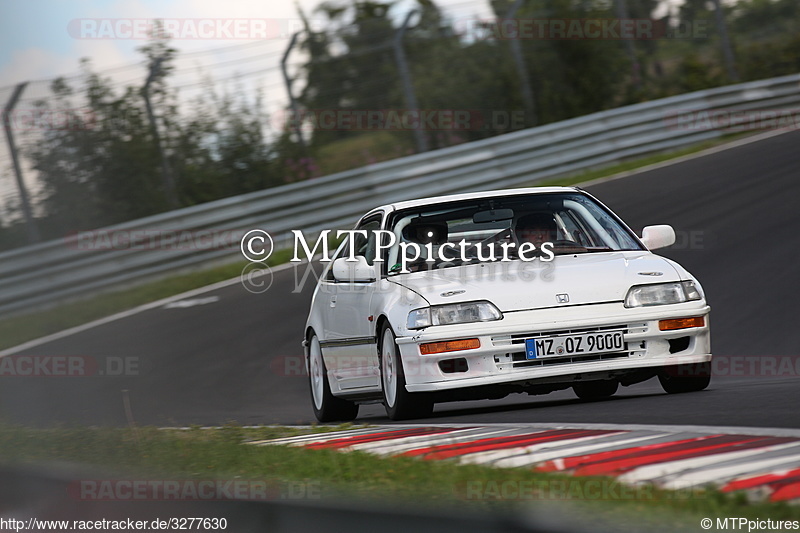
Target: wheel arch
[[382, 320], [306, 348]]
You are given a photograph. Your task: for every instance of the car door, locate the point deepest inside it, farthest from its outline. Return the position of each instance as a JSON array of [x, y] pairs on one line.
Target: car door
[[349, 342]]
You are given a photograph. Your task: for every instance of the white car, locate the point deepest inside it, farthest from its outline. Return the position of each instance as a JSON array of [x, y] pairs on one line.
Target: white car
[[446, 299]]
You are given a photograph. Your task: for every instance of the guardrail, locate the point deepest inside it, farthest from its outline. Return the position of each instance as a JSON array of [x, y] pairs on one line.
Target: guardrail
[[48, 272]]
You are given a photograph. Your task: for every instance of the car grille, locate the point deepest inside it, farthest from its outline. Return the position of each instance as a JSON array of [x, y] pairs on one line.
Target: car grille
[[515, 357]]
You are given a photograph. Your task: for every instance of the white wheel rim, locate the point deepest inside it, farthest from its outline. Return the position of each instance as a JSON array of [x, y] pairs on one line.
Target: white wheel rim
[[389, 368], [315, 372]]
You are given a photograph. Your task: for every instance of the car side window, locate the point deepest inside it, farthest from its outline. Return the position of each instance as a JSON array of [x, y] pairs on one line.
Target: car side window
[[366, 245]]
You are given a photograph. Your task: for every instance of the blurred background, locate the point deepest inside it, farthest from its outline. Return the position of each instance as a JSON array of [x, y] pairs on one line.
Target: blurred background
[[188, 120]]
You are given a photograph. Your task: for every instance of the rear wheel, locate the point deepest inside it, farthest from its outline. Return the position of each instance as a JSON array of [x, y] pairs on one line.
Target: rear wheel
[[327, 407], [400, 404], [595, 390], [692, 377]]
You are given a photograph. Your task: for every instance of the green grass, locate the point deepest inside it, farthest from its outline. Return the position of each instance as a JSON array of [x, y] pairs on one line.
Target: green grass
[[21, 328], [641, 162], [223, 454]]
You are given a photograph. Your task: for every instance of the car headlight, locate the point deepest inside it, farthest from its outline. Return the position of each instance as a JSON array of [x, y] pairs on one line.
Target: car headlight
[[460, 313], [662, 293]]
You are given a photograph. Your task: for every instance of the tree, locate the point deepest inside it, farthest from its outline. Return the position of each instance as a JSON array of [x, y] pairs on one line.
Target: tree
[[102, 168], [105, 167], [351, 67]]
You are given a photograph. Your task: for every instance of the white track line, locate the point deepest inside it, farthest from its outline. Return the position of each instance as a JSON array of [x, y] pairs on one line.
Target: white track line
[[703, 153], [315, 437], [533, 458], [398, 446], [130, 312], [526, 451], [400, 439], [477, 457], [680, 467], [726, 473]]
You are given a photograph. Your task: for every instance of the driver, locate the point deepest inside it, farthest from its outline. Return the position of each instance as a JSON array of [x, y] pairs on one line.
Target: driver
[[536, 228]]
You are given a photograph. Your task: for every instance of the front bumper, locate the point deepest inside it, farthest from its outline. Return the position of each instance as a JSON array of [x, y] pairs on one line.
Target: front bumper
[[500, 358]]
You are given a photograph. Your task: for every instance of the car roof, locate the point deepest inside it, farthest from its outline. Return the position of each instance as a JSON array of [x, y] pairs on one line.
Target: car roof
[[472, 195]]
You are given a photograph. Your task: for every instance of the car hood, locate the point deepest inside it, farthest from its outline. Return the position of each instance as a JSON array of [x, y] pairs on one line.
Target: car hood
[[517, 285]]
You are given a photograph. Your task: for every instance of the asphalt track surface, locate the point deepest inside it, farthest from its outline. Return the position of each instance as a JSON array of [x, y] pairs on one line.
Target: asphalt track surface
[[236, 358]]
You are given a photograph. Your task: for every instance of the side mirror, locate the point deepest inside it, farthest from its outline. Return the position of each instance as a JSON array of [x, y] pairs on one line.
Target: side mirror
[[655, 237], [352, 271]]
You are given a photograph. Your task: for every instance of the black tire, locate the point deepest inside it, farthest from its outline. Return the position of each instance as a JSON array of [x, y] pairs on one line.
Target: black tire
[[677, 379], [327, 407], [595, 390], [400, 404]]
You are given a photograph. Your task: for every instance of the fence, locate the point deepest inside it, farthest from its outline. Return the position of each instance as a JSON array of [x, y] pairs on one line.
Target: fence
[[56, 270]]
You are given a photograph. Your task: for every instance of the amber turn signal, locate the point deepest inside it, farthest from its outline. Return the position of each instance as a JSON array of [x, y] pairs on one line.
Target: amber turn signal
[[429, 348], [681, 323]]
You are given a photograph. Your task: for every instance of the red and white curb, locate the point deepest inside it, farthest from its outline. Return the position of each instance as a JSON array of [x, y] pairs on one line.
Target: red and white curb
[[763, 462]]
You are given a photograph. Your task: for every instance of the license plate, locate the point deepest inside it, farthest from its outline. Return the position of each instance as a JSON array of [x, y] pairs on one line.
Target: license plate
[[582, 344]]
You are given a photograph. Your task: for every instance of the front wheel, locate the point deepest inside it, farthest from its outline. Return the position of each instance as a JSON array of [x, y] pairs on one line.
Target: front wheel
[[400, 404], [327, 407], [692, 377]]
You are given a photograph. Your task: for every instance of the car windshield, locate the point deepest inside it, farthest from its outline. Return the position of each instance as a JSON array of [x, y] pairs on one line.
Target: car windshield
[[452, 234]]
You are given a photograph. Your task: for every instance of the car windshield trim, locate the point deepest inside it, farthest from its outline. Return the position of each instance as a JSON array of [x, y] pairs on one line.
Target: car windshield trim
[[581, 224]]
